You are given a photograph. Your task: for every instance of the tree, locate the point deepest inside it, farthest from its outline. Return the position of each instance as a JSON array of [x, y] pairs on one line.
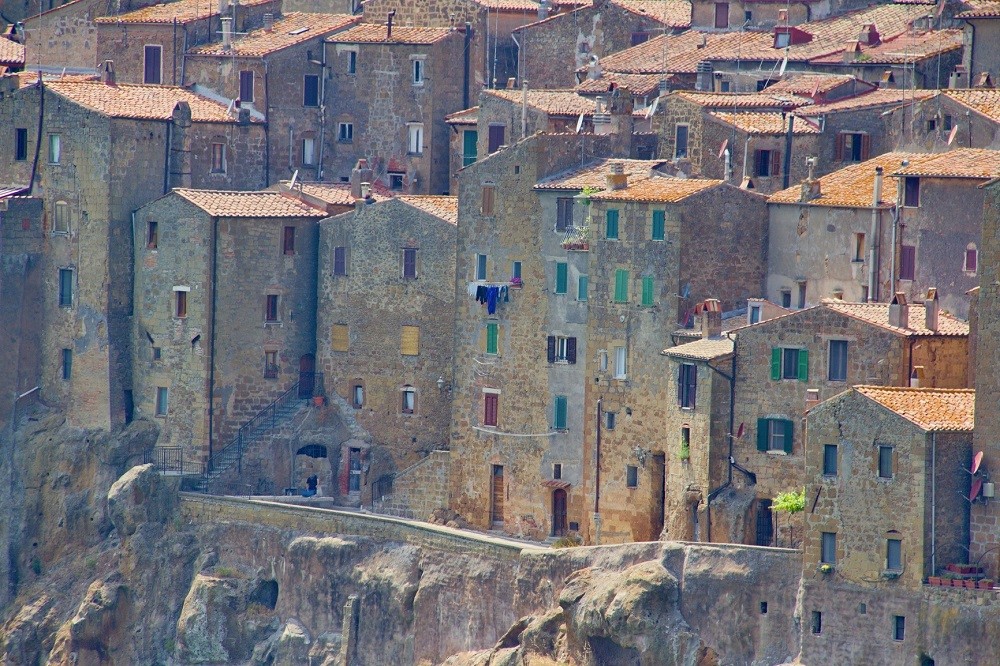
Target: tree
[[790, 502]]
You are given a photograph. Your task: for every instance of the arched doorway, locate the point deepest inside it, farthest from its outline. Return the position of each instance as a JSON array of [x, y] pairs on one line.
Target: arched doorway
[[559, 512], [307, 375]]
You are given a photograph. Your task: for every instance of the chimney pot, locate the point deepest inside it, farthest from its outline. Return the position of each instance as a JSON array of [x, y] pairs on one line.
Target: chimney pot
[[268, 22], [711, 318], [227, 32], [932, 309], [108, 72], [616, 178], [899, 311], [388, 24]]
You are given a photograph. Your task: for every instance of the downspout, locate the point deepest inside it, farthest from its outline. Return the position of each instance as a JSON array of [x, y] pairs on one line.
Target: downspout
[[166, 155], [517, 71], [211, 350], [267, 127], [732, 419], [786, 170], [322, 112], [38, 139], [897, 214], [465, 65], [174, 54], [876, 215], [184, 54], [933, 503], [597, 476], [746, 150]]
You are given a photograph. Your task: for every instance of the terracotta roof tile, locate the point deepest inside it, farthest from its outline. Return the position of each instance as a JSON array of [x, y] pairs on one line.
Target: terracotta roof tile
[[662, 54], [594, 174], [878, 314], [985, 101], [665, 189], [551, 102], [375, 33], [760, 100], [509, 5], [705, 349], [808, 84], [11, 53], [339, 194], [184, 11], [290, 30], [143, 102], [869, 99], [442, 207], [464, 117], [31, 78], [902, 49], [672, 13], [959, 163], [987, 10], [638, 84], [219, 203], [931, 409], [765, 123]]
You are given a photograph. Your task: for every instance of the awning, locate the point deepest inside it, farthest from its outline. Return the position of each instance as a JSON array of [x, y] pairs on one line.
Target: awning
[[556, 483]]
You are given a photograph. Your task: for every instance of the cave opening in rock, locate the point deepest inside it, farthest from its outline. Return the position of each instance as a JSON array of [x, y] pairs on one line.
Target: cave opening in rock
[[265, 594]]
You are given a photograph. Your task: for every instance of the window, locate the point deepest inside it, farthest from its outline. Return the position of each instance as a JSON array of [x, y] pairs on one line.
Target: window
[[602, 360], [271, 308], [802, 295], [754, 314], [782, 39], [911, 191], [907, 262], [352, 62], [639, 38], [722, 15], [152, 234], [898, 627], [489, 194], [218, 158], [491, 402], [829, 460], [932, 124], [763, 604], [561, 348], [859, 247], [559, 413], [621, 362], [885, 462], [410, 341], [581, 287], [828, 548], [659, 225], [948, 122], [852, 147], [611, 225], [409, 404], [65, 287], [270, 364], [837, 369], [610, 419], [55, 148], [345, 132], [680, 141], [557, 471], [21, 144], [470, 147], [496, 138], [60, 218], [310, 90], [246, 86], [786, 298], [787, 363], [288, 240], [416, 143], [480, 266], [562, 277], [308, 151], [340, 260], [152, 71], [157, 353], [767, 163], [564, 213], [687, 385], [647, 290], [515, 270], [339, 337], [725, 86], [418, 72], [621, 286], [67, 364], [817, 622], [894, 555], [492, 338], [358, 396], [396, 181], [971, 263], [410, 263], [774, 435], [631, 476], [162, 396]]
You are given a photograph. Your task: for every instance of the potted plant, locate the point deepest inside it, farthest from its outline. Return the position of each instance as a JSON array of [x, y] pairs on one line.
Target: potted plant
[[516, 283], [934, 580], [685, 453], [970, 584], [825, 569], [985, 584]]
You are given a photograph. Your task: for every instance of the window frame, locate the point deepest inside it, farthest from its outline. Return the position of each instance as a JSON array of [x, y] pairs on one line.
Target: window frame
[[272, 314], [409, 260], [247, 84], [783, 370], [687, 385], [621, 362], [679, 153], [152, 234], [481, 267], [831, 463], [415, 138], [971, 251], [893, 564], [838, 373], [911, 191], [564, 214], [357, 395], [161, 405], [631, 476], [20, 144], [271, 370], [55, 148], [776, 435], [345, 132], [288, 240], [340, 261], [885, 463], [418, 70], [352, 62], [899, 628], [408, 397], [306, 97], [218, 157], [67, 279], [828, 548], [146, 50], [491, 408], [307, 147]]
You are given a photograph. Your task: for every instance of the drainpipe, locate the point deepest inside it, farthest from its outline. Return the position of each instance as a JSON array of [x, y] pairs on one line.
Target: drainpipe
[[211, 351], [746, 150], [524, 108], [466, 65], [38, 139], [322, 113], [933, 503], [786, 170], [184, 53], [897, 214], [517, 71], [173, 48], [876, 216], [267, 126], [166, 155], [597, 475]]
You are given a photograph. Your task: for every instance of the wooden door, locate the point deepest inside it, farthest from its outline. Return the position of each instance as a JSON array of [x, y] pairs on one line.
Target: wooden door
[[496, 512], [559, 512], [659, 496], [307, 375]]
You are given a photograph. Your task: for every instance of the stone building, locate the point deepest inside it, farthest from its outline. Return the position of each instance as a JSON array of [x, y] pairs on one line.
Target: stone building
[[554, 48], [392, 88], [277, 72], [947, 119], [225, 318], [104, 151], [385, 318], [506, 116], [463, 142], [11, 55], [982, 56]]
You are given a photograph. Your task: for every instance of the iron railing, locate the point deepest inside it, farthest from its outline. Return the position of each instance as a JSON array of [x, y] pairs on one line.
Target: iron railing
[[165, 459]]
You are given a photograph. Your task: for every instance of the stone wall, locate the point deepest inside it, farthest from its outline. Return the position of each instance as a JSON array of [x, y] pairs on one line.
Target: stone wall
[[418, 490]]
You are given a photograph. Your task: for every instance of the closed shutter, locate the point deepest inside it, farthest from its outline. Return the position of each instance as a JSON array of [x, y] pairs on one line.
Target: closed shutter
[[611, 224], [659, 224], [490, 403], [560, 412], [153, 59], [838, 152], [803, 365], [492, 331], [496, 137], [647, 290], [907, 262], [775, 165], [562, 277], [339, 337], [489, 192], [621, 286], [866, 146], [571, 350], [310, 90], [550, 352], [581, 288], [775, 362], [339, 261], [788, 435], [681, 380], [758, 165], [691, 375], [410, 341], [762, 425], [409, 263], [470, 139]]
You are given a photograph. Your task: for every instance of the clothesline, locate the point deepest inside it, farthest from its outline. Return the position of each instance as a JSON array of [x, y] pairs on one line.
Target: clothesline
[[490, 294]]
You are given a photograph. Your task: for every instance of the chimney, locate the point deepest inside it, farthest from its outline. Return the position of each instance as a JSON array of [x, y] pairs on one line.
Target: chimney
[[869, 35], [360, 175], [243, 117], [594, 68], [617, 179], [983, 80], [899, 311], [933, 309], [711, 318], [543, 10], [704, 78], [602, 117], [108, 72], [959, 78], [268, 22], [812, 398], [227, 32], [388, 24], [511, 83], [811, 188]]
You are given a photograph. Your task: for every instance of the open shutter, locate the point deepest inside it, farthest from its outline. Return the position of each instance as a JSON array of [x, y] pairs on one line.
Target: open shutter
[[788, 435], [551, 349], [692, 385], [762, 434], [571, 350], [756, 162], [775, 362], [775, 163], [680, 385], [838, 152], [866, 146], [803, 365]]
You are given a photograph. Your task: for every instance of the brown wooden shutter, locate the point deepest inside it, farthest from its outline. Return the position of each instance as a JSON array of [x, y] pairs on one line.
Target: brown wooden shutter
[[866, 146], [838, 150], [490, 402], [756, 162], [775, 163]]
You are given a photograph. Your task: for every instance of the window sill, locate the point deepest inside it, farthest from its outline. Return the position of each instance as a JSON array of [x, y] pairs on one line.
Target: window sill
[[273, 323], [857, 261], [414, 154], [159, 416], [687, 408], [778, 453]]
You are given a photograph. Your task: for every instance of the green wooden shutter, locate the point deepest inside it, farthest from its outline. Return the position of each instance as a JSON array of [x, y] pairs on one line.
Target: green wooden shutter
[[803, 365], [491, 338], [762, 434], [659, 222], [647, 290], [561, 277], [611, 227], [621, 286], [788, 435], [560, 415], [775, 362], [581, 288]]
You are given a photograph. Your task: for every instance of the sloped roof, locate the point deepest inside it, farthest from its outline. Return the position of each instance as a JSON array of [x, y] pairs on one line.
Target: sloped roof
[[660, 189], [959, 163], [551, 102], [290, 30], [759, 100], [672, 13], [705, 349], [184, 11], [11, 53], [987, 10], [882, 96], [376, 33], [638, 84], [139, 101], [931, 409], [465, 117], [878, 314], [902, 49], [339, 194], [445, 208], [985, 101], [765, 123], [594, 174], [662, 54], [218, 203], [808, 83]]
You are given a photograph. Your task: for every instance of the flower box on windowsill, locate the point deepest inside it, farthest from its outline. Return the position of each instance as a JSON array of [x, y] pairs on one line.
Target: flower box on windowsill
[[576, 246]]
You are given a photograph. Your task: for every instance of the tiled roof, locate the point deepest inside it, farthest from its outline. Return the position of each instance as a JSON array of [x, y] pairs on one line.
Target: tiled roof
[[988, 10], [705, 349], [219, 203], [375, 33], [765, 123], [31, 78], [662, 54], [140, 101], [982, 100], [11, 53], [465, 117], [445, 208], [184, 11], [551, 102], [594, 174], [931, 409], [878, 314], [672, 13], [638, 84], [509, 5], [959, 163], [760, 100], [902, 49], [290, 30], [339, 194], [869, 99], [808, 84], [665, 189]]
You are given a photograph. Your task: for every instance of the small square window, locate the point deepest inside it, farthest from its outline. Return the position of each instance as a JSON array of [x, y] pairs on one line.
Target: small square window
[[162, 397], [885, 462], [288, 241], [152, 234], [631, 476], [829, 460], [271, 364], [271, 308], [345, 132], [396, 181]]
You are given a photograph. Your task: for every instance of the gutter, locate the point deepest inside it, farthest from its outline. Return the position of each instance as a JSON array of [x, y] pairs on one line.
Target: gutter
[[211, 349]]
